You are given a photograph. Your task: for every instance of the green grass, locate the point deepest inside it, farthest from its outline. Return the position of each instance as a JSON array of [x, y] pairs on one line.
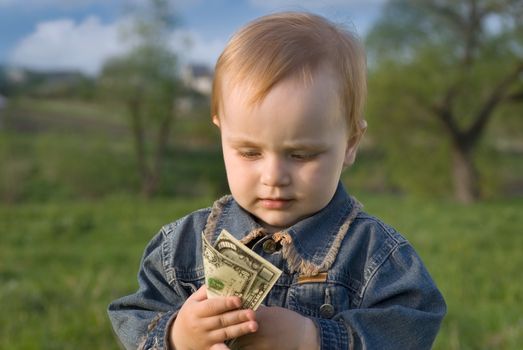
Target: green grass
[[474, 254], [70, 109], [63, 258], [48, 154], [61, 263]]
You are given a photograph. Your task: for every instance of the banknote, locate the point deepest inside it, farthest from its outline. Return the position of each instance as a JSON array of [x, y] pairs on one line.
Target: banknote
[[223, 276], [231, 268]]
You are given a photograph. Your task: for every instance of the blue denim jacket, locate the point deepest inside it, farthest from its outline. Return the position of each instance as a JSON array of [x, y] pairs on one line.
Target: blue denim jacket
[[358, 279]]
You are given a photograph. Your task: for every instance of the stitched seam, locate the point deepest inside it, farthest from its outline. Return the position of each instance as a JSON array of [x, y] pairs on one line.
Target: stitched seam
[[374, 273], [350, 333], [388, 230]]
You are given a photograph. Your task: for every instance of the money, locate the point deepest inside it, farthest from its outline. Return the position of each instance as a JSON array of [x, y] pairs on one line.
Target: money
[[233, 269], [223, 276]]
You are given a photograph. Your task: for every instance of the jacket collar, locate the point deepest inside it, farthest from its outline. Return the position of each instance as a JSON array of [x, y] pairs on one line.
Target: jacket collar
[[310, 246]]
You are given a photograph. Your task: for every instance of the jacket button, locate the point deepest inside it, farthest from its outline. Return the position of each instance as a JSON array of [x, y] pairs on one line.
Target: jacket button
[[269, 246], [326, 311]]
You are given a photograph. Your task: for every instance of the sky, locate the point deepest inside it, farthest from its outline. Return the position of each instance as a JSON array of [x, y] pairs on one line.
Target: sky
[[81, 34]]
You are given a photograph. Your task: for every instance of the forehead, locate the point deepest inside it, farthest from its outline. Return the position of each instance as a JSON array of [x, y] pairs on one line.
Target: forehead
[[293, 108], [251, 93]]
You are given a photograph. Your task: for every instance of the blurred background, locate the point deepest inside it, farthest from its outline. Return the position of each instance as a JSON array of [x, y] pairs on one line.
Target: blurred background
[[105, 136]]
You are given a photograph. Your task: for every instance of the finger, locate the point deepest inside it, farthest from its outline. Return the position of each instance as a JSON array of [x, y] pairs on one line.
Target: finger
[[217, 306], [234, 331], [199, 295], [228, 319]]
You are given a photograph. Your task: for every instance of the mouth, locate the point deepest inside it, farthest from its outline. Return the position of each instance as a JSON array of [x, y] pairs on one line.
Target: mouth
[[275, 203]]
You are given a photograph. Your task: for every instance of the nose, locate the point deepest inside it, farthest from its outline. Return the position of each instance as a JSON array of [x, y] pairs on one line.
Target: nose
[[275, 172]]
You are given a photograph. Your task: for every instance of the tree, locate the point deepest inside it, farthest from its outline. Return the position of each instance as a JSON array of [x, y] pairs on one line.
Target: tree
[[445, 67], [145, 81]]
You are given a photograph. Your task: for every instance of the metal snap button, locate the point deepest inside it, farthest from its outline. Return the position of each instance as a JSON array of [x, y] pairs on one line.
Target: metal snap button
[[327, 311], [270, 246]]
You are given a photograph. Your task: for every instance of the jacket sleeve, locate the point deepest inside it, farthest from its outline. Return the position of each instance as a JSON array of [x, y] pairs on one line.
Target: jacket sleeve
[[400, 308], [141, 320]]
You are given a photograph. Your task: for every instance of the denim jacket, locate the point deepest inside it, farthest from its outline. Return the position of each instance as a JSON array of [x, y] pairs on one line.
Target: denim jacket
[[358, 279]]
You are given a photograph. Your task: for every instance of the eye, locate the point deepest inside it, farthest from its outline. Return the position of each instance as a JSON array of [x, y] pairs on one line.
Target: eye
[[249, 154], [303, 156]]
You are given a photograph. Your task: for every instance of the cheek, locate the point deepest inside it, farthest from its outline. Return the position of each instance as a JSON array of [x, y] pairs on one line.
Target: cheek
[[320, 173], [309, 173], [239, 172], [231, 161]]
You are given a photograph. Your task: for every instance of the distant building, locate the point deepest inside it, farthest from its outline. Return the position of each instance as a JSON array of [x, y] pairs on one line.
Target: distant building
[[198, 77], [16, 75]]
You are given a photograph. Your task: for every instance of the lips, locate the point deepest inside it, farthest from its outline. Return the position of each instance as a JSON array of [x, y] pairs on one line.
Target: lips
[[275, 203]]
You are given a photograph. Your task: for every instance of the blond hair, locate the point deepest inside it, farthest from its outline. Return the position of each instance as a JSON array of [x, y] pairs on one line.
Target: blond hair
[[281, 45]]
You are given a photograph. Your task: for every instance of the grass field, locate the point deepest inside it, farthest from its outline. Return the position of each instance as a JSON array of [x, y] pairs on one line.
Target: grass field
[[73, 235], [61, 263]]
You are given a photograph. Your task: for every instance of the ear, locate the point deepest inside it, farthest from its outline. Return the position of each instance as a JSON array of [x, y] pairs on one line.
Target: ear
[[353, 144], [216, 121]]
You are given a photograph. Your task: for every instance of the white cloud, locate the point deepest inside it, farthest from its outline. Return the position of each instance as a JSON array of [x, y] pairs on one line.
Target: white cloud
[[42, 3], [65, 44], [81, 3], [68, 45]]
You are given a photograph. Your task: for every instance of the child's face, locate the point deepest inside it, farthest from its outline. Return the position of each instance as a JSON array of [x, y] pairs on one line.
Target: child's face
[[284, 157]]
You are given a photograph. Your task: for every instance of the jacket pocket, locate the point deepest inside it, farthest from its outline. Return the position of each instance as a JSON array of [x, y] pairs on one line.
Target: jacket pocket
[[319, 299], [189, 282]]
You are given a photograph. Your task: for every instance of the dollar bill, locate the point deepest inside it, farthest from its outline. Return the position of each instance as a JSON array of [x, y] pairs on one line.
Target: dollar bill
[[224, 277], [233, 269]]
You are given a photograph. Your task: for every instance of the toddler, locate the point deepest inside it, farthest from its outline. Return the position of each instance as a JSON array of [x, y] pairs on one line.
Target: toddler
[[288, 96]]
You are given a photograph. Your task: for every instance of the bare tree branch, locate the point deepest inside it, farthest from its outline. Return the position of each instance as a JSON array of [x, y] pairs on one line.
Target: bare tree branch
[[443, 112], [448, 13], [515, 97], [496, 96]]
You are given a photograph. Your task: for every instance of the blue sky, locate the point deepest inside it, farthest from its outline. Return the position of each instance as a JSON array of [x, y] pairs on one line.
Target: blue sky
[[81, 34]]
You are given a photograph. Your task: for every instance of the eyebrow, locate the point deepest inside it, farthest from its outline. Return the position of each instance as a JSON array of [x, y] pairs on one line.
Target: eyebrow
[[300, 144], [239, 141]]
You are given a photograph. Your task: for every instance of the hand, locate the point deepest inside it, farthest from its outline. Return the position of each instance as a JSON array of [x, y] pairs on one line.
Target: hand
[[205, 323], [280, 328]]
